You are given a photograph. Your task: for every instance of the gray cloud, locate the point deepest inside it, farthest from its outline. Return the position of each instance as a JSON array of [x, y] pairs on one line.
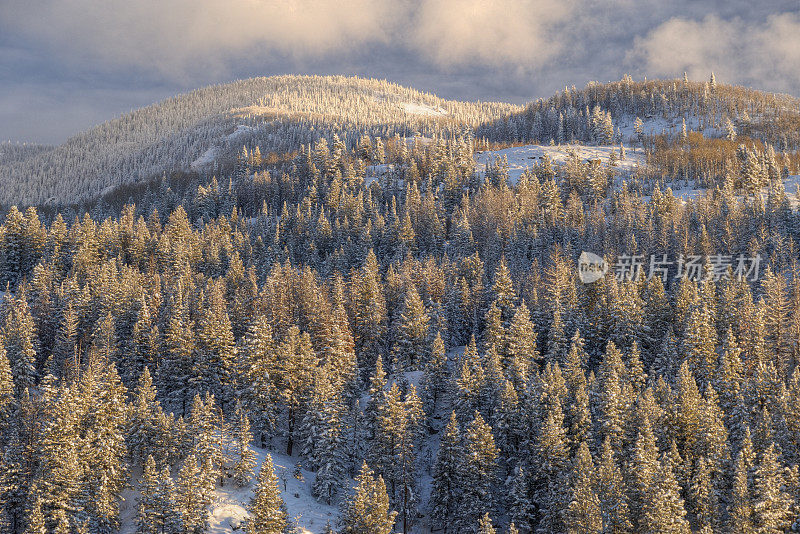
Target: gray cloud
[[74, 61], [766, 54]]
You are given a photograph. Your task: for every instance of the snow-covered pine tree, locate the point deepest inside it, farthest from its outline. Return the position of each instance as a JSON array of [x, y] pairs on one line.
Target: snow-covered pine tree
[[521, 348], [35, 523], [663, 510], [193, 493], [770, 503], [521, 509], [583, 514], [157, 510], [6, 386], [296, 363], [611, 492], [435, 374], [145, 433], [447, 484], [19, 334], [267, 513], [412, 344], [478, 473], [244, 458], [485, 525], [258, 370], [368, 510], [322, 430]]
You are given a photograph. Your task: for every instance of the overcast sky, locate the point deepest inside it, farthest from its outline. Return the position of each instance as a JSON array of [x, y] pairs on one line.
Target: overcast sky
[[68, 64]]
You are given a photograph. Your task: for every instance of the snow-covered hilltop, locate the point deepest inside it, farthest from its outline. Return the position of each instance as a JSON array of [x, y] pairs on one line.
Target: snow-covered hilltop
[[279, 114]]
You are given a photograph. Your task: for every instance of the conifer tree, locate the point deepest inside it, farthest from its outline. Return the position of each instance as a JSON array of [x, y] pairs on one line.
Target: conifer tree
[[157, 512], [36, 520], [412, 332], [368, 510], [435, 374], [643, 469], [521, 508], [259, 375], [175, 370], [551, 456], [521, 347], [503, 291], [193, 495], [244, 457], [62, 522], [663, 510], [770, 502], [485, 525], [583, 512], [296, 363], [14, 481], [494, 333], [478, 472], [323, 446], [611, 492], [19, 335], [6, 386], [144, 430], [447, 483], [267, 514], [740, 507], [369, 313]]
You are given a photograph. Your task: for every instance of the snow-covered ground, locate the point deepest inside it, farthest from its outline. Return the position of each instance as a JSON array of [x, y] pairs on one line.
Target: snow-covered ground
[[207, 158], [526, 156], [230, 504], [229, 508], [422, 109], [210, 156], [376, 171], [792, 186], [688, 192], [658, 125]]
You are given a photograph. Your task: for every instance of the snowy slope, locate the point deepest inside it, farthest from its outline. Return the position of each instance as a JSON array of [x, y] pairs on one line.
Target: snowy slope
[[526, 156], [229, 508], [193, 130], [422, 109]]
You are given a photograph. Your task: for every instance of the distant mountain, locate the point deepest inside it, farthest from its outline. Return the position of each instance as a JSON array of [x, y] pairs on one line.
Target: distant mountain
[[203, 131], [208, 125]]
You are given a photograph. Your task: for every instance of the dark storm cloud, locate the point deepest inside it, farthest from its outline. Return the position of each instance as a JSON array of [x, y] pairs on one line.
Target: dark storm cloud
[[66, 64]]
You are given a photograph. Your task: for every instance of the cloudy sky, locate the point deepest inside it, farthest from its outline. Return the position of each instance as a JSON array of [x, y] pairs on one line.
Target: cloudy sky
[[68, 64]]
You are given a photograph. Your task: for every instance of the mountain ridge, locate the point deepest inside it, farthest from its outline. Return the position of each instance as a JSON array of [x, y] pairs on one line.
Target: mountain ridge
[[282, 113]]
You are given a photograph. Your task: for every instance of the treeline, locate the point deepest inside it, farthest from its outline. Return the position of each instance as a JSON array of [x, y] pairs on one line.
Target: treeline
[[571, 114]]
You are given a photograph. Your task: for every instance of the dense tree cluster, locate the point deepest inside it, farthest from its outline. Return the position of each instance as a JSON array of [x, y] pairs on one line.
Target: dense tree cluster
[[384, 313], [575, 114]]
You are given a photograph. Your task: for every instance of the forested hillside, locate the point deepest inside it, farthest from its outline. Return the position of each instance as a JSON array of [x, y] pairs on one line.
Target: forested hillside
[[409, 328], [279, 113]]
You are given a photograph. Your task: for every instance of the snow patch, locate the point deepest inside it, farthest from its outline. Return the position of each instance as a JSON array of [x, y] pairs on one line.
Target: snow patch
[[207, 158], [228, 511], [526, 156], [375, 172], [211, 155], [422, 109], [238, 132]]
